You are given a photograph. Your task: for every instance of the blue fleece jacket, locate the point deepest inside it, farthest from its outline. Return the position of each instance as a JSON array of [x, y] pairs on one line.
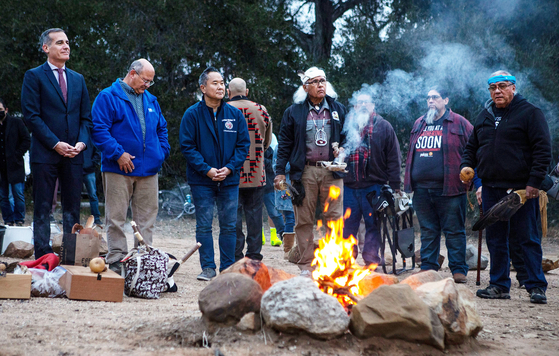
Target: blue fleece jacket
[[117, 129], [205, 148]]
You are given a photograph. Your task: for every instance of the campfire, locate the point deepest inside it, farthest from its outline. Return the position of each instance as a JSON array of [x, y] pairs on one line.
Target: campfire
[[336, 271]]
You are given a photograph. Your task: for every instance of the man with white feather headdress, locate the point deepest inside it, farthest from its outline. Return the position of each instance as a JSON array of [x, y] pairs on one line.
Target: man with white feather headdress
[[310, 134]]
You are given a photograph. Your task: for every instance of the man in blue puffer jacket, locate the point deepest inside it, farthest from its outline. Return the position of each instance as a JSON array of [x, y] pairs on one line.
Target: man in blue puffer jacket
[[215, 142], [131, 133]]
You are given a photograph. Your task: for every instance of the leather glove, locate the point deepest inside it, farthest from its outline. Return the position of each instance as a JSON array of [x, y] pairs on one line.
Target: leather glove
[[298, 192]]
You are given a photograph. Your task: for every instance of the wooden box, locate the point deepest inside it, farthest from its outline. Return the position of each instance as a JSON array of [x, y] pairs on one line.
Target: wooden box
[[80, 283], [15, 286]]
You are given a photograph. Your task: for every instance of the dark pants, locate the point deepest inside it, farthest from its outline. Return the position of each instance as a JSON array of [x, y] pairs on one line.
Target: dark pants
[[205, 198], [436, 214], [250, 201], [273, 213], [356, 200], [12, 212], [516, 257], [44, 181], [525, 225], [91, 186]]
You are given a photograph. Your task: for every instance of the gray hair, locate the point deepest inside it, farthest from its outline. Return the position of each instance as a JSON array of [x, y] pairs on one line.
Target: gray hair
[[45, 37], [499, 72], [137, 66], [502, 72], [203, 80]]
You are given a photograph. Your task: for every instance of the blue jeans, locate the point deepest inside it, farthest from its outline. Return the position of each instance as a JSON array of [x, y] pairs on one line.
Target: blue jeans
[[356, 200], [205, 198], [436, 214], [273, 213], [91, 186], [289, 218], [250, 201], [525, 225], [12, 212]]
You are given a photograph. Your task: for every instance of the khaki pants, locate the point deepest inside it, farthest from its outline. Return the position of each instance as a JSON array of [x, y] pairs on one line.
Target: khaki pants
[[120, 191], [317, 182]]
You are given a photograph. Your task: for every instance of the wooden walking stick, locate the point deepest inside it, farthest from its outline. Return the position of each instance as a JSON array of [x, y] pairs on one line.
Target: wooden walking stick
[[138, 235], [479, 248]]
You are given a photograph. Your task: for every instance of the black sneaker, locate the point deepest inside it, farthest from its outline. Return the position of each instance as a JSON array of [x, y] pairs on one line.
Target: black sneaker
[[537, 296], [492, 292], [207, 274]]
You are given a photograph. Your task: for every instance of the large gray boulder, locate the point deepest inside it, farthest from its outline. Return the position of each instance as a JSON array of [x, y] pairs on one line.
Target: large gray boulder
[[444, 298], [471, 258], [297, 304], [229, 297], [396, 312]]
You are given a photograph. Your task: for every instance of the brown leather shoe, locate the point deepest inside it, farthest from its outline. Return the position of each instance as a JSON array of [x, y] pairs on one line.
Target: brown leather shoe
[[459, 278]]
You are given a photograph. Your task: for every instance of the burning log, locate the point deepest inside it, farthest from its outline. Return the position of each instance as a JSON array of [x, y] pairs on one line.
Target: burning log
[[336, 289], [336, 271]]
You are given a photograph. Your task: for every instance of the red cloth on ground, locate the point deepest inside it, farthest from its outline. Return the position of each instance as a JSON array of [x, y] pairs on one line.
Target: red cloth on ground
[[48, 262]]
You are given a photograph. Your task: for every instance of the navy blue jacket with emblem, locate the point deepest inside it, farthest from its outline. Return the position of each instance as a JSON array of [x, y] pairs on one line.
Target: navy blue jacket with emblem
[[207, 144], [49, 118]]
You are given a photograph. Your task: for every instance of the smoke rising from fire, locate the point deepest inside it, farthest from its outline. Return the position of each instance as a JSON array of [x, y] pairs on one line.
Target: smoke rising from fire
[[460, 61]]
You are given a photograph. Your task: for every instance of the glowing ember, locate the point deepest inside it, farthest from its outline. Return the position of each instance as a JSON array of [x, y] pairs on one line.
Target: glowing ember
[[336, 271]]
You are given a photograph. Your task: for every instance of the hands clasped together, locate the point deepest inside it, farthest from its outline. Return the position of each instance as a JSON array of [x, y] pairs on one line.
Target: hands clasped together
[[67, 150], [217, 175]]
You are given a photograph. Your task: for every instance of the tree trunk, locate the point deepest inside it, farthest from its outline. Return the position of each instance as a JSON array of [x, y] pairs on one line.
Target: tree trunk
[[323, 31]]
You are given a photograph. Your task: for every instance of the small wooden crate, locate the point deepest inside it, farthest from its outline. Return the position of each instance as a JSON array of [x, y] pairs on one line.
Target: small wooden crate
[[15, 286], [82, 284]]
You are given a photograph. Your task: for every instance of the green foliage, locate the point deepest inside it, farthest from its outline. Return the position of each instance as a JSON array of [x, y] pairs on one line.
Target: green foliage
[[414, 45]]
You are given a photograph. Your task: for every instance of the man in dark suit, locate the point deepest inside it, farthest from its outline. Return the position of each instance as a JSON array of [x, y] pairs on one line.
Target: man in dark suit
[[56, 108]]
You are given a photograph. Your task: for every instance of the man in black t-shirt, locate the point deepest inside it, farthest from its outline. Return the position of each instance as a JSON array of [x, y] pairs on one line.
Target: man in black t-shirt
[[432, 166]]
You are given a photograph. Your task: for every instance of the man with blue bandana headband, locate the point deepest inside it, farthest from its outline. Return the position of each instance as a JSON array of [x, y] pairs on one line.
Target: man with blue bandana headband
[[511, 149]]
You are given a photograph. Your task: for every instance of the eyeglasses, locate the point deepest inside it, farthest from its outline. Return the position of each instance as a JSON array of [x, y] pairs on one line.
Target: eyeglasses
[[501, 87], [363, 102], [149, 83], [434, 97], [317, 82]]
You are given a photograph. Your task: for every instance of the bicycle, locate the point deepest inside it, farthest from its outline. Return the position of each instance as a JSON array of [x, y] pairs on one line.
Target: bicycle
[[173, 204]]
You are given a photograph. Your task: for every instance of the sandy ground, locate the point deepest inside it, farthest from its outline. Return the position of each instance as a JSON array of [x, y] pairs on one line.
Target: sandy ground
[[171, 325]]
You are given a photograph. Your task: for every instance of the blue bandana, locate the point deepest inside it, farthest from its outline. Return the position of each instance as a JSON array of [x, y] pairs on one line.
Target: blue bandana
[[502, 78]]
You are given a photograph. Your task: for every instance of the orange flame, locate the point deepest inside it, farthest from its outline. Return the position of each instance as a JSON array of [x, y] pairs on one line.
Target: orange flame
[[336, 271]]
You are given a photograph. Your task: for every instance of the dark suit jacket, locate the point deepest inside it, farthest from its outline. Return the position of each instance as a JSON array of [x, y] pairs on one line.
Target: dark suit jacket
[[17, 143], [49, 118]]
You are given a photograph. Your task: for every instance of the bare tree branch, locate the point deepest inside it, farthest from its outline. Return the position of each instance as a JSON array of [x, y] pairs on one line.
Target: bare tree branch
[[342, 7]]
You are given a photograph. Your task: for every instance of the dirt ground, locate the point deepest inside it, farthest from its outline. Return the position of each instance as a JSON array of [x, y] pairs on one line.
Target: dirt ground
[[171, 325]]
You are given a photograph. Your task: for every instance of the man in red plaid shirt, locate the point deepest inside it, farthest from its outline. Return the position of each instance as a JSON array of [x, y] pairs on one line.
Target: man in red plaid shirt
[[373, 161]]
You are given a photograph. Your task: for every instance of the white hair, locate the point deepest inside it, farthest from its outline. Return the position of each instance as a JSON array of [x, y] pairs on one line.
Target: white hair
[[301, 95]]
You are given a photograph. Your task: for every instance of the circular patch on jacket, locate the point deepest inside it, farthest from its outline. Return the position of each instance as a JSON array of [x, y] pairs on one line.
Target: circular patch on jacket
[[228, 125]]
